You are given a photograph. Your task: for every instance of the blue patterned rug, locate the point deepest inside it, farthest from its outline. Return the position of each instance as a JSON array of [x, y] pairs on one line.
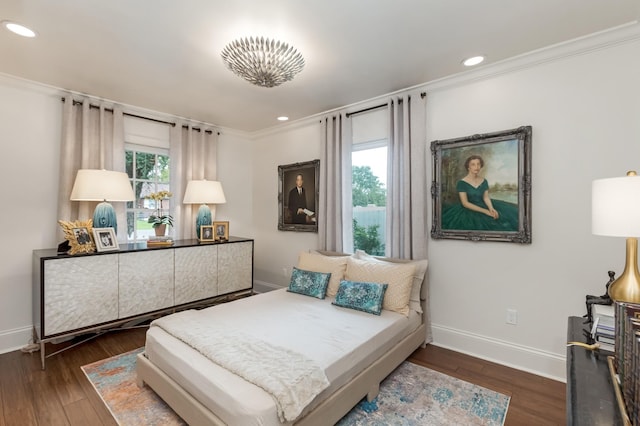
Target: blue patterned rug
[[411, 395]]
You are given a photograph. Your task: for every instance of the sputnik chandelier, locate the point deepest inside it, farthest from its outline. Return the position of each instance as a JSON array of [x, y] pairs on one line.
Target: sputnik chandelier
[[263, 62]]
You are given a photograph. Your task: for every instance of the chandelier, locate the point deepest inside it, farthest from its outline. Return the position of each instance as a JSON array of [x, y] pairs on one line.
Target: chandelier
[[263, 62]]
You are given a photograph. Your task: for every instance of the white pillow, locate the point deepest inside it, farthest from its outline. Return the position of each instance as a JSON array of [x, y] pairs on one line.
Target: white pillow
[[418, 278], [398, 276], [335, 265]]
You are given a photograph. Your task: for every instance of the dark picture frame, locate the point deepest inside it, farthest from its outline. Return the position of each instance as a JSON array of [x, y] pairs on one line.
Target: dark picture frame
[[298, 211], [501, 161]]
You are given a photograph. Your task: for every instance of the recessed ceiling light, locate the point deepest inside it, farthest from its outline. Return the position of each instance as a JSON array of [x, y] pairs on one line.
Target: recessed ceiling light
[[19, 29], [475, 60], [283, 118]]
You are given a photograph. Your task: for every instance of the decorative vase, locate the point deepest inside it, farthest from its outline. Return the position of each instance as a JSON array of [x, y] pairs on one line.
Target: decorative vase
[[160, 230]]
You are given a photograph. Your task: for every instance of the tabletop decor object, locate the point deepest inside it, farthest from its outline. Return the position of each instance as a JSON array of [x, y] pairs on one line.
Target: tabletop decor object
[[79, 235], [102, 186], [159, 220], [204, 192]]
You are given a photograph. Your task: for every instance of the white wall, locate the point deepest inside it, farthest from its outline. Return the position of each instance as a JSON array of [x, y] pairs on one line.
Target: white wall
[[30, 120], [276, 250], [235, 173], [584, 111]]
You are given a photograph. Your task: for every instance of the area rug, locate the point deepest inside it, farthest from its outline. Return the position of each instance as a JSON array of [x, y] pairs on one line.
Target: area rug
[[411, 395]]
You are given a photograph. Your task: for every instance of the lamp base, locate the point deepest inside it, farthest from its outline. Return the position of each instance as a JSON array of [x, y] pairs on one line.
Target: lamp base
[[204, 218], [104, 216], [627, 287]]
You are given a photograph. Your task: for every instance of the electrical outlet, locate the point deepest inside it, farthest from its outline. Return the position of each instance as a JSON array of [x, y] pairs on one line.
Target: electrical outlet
[[512, 316], [285, 271]]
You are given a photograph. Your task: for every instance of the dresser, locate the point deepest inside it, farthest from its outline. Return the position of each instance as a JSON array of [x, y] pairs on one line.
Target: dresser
[[591, 400], [87, 293]]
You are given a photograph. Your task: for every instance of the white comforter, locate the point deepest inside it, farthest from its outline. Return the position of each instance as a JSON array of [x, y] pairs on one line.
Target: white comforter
[[292, 379]]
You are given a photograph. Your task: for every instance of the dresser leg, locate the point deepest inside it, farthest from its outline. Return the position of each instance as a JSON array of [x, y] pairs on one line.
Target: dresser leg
[[42, 355]]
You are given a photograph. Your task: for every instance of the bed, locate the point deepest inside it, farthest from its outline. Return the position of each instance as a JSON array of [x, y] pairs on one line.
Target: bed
[[355, 350]]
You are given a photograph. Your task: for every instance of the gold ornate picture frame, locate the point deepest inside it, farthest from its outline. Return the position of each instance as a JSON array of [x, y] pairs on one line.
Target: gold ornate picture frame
[[80, 236]]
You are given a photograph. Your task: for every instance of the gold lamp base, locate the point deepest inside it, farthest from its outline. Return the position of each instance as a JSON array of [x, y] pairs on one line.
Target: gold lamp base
[[627, 287]]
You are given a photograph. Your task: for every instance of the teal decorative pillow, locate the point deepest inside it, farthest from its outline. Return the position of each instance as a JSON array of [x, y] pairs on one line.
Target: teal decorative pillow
[[366, 297], [309, 283]]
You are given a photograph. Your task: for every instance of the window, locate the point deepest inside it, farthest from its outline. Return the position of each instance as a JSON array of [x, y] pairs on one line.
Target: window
[[369, 181], [148, 170]]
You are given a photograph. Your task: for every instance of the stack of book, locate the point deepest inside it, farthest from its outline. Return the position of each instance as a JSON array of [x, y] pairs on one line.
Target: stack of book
[[627, 357], [159, 242], [604, 326]]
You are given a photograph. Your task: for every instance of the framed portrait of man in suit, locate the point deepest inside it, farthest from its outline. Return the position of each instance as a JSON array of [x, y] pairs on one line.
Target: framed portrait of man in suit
[[298, 196]]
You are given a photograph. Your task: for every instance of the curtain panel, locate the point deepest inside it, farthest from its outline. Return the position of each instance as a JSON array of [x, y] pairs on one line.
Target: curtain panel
[[407, 191], [92, 138], [193, 153], [335, 232]]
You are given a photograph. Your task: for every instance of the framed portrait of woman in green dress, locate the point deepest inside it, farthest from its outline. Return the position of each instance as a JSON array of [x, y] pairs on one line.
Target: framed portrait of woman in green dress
[[481, 187]]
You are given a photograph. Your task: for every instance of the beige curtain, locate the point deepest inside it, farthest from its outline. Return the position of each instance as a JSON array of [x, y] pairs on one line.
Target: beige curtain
[[335, 232], [92, 138], [408, 192], [193, 153]]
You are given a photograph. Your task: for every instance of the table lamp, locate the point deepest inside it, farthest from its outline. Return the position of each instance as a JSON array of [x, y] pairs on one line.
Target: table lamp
[[103, 186], [204, 192], [615, 211]]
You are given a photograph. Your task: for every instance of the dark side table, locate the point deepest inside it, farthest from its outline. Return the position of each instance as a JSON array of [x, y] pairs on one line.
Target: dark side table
[[591, 400]]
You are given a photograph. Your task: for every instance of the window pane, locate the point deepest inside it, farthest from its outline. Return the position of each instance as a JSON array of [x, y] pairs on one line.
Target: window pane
[[369, 177], [128, 158], [163, 169], [145, 165]]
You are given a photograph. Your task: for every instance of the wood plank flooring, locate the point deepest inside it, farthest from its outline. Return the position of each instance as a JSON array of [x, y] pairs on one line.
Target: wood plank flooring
[[61, 394]]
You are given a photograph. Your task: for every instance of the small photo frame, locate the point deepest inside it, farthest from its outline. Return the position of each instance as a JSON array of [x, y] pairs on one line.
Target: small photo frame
[[221, 230], [105, 239], [78, 234], [206, 233]]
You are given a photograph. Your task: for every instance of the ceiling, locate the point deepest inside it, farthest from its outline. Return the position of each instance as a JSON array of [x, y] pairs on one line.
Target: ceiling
[[164, 55]]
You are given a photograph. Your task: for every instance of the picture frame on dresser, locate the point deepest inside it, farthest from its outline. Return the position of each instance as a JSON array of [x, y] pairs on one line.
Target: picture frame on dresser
[[80, 236], [105, 239], [221, 231], [207, 234]]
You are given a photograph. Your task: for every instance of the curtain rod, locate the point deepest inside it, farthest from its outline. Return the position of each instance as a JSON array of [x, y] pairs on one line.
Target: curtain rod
[[197, 129], [349, 114]]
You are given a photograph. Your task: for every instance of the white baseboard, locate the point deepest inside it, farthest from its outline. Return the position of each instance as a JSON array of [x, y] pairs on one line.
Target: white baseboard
[[263, 286], [13, 340], [531, 360]]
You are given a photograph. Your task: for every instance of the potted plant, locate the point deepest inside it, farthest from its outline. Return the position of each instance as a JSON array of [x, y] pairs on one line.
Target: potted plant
[[159, 220]]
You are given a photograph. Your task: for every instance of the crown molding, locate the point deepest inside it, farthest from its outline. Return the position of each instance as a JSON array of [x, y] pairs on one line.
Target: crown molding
[[627, 33]]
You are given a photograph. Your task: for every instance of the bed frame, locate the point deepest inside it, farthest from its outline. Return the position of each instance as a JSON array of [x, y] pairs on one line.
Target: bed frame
[[332, 409], [329, 411]]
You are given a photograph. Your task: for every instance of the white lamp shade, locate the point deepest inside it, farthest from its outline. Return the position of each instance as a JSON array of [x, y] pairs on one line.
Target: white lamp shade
[[204, 192], [101, 185], [615, 206]]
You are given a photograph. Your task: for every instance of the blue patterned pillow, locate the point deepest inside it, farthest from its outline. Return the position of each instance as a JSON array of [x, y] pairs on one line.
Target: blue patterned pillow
[[366, 297], [309, 283]]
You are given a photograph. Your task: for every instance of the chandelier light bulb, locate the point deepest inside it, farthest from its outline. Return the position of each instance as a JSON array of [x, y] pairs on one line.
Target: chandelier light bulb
[[263, 62]]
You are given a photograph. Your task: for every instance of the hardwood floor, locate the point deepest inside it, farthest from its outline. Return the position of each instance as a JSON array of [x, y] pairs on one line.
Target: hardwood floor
[[61, 394]]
